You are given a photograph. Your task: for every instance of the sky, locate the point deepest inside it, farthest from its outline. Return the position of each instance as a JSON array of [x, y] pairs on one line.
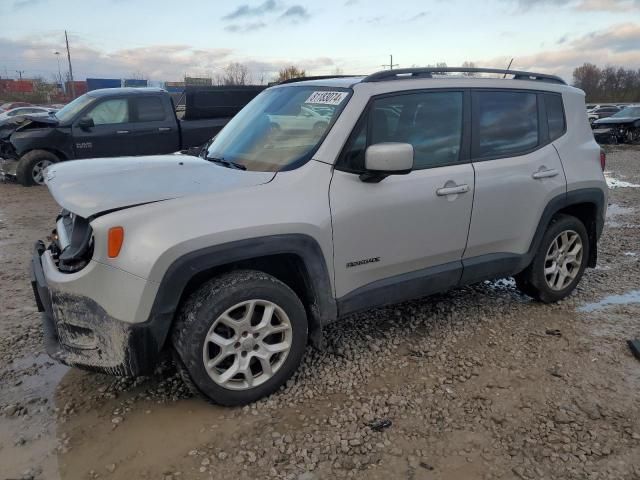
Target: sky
[[161, 40]]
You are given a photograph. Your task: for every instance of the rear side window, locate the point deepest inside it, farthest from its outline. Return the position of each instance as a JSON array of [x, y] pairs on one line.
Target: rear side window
[[150, 109], [505, 123], [555, 115], [431, 122]]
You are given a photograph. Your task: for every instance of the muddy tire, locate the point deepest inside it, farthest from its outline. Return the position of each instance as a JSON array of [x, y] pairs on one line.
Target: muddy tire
[[30, 168], [239, 337], [559, 262]]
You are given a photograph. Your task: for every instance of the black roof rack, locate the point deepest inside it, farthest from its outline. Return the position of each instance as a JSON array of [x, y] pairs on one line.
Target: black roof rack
[[319, 77], [400, 73]]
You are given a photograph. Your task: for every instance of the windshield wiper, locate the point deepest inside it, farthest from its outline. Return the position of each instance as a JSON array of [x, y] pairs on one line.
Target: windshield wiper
[[226, 163]]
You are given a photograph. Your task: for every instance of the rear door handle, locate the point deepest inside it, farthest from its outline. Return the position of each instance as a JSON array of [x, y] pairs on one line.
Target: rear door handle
[[122, 132], [444, 191], [164, 129], [545, 174]]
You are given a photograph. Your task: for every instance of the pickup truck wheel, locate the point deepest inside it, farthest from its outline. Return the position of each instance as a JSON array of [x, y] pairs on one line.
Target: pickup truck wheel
[[31, 166], [240, 337], [559, 263]]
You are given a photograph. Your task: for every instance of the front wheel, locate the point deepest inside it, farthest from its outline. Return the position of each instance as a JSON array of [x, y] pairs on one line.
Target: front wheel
[[559, 262], [240, 337], [31, 167]]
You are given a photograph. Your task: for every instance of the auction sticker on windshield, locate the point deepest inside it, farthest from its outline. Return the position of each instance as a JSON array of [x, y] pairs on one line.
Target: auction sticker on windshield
[[327, 98]]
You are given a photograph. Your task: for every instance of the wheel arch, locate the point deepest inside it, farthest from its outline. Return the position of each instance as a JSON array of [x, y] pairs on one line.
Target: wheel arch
[[588, 205], [295, 259]]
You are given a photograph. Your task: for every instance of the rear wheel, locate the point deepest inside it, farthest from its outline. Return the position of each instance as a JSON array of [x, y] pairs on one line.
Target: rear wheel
[[559, 263], [240, 337], [31, 167]]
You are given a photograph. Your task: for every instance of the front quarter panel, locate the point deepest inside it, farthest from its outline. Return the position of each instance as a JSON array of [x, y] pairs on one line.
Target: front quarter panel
[[55, 139], [158, 234]]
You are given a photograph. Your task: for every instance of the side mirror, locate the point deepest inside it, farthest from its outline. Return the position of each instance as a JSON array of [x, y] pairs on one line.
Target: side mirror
[[384, 159], [86, 123]]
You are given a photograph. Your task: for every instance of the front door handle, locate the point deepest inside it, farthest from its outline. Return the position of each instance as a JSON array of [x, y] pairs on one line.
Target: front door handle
[[454, 190], [545, 173], [122, 132], [164, 129]]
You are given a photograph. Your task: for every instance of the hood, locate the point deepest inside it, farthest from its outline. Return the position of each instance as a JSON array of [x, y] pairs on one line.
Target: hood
[[95, 185], [616, 120]]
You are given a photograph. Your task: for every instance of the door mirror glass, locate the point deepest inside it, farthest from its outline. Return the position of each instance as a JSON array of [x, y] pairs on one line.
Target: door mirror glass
[[86, 123], [389, 158]]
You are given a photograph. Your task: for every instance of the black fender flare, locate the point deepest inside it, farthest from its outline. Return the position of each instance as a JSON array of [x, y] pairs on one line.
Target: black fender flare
[[495, 265], [185, 268]]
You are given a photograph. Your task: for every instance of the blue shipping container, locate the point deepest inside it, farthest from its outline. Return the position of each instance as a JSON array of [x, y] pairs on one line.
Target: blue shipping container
[[135, 83], [96, 83]]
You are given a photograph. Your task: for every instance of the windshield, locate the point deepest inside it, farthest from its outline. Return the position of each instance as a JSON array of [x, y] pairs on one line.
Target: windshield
[[628, 112], [71, 109], [279, 129]]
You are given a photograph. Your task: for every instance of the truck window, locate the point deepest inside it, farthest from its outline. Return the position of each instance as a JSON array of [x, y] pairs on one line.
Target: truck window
[[150, 109], [504, 123], [110, 112]]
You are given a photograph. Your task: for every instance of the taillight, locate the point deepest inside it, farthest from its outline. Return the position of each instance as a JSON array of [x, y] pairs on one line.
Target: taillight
[[603, 159]]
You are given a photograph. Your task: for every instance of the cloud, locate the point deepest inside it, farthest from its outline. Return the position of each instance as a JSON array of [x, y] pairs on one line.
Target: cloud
[[580, 5], [608, 5], [159, 62], [616, 45], [349, 3], [418, 16], [245, 10], [295, 13], [21, 4], [246, 28]]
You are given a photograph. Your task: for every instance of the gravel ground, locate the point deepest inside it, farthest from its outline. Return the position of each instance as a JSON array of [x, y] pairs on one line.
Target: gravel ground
[[478, 383]]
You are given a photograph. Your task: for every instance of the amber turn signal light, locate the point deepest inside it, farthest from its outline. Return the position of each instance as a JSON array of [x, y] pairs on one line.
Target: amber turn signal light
[[114, 243]]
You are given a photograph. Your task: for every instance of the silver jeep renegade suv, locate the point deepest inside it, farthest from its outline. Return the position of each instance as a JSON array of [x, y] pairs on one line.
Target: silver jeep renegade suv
[[319, 199]]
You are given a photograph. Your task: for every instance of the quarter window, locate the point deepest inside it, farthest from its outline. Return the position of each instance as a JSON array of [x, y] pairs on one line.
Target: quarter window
[[110, 112], [505, 123], [555, 115], [431, 122], [150, 109]]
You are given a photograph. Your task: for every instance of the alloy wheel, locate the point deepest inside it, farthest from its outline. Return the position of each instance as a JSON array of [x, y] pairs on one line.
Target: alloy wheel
[[563, 260], [37, 172], [247, 344]]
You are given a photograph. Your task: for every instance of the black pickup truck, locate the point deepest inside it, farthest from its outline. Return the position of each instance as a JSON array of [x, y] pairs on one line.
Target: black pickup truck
[[118, 122]]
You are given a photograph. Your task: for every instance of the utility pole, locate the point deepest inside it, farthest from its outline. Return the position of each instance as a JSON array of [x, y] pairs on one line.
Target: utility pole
[[73, 87], [390, 64], [20, 72], [57, 54]]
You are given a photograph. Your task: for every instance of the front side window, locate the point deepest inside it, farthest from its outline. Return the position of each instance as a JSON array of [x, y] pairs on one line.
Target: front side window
[[279, 129], [430, 121], [505, 123], [110, 112], [150, 109]]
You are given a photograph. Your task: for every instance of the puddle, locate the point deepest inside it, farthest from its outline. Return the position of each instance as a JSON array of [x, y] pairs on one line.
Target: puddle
[[624, 299]]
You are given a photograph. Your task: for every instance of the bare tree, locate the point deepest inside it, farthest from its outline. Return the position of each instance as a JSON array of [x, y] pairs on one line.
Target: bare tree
[[234, 74], [290, 72], [467, 64]]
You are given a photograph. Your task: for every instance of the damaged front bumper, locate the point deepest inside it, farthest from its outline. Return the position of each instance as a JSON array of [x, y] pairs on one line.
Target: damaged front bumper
[[8, 167], [80, 333]]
